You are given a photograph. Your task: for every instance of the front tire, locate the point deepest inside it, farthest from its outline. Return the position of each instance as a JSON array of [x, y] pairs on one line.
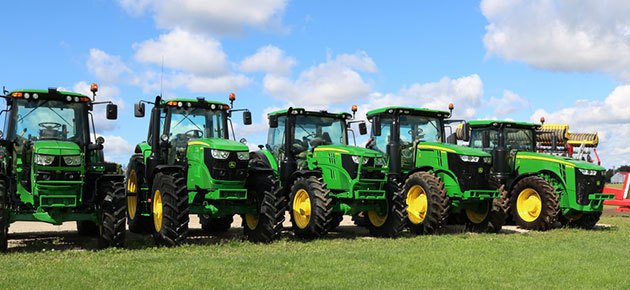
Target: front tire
[[4, 217], [311, 207], [427, 203], [266, 225], [586, 220], [113, 207], [170, 209], [135, 179], [534, 204], [492, 216], [392, 223], [87, 228]]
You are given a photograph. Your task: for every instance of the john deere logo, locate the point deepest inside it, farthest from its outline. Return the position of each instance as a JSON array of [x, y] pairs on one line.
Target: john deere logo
[[232, 164]]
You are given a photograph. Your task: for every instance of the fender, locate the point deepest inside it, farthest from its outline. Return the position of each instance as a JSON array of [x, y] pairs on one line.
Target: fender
[[296, 175], [165, 168], [266, 158], [518, 178], [417, 169]]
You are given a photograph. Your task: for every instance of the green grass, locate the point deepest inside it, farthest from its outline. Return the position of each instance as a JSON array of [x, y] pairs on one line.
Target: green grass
[[563, 258]]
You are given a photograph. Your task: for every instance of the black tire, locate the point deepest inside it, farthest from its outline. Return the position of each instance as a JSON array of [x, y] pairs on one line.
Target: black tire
[[395, 219], [113, 208], [336, 219], [214, 224], [87, 228], [134, 180], [438, 203], [586, 220], [540, 219], [266, 225], [171, 228], [316, 224], [4, 217], [497, 213]]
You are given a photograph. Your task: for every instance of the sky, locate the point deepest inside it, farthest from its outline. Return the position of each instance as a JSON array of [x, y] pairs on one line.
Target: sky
[[566, 60]]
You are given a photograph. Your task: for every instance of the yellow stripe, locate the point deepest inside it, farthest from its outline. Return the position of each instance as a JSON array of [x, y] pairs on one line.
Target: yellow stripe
[[198, 143], [547, 159], [435, 148], [331, 149]]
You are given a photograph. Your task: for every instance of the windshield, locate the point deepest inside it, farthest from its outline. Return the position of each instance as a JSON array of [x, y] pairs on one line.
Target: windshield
[[50, 120], [194, 123], [313, 131], [515, 139]]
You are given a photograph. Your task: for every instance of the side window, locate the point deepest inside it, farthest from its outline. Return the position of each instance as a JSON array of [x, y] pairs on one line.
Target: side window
[[275, 139], [380, 142], [161, 116]]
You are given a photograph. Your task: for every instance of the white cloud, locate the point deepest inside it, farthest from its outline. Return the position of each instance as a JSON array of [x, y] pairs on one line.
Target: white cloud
[[106, 68], [117, 149], [105, 93], [610, 118], [561, 35], [218, 16], [152, 82], [182, 50], [509, 103], [335, 81], [268, 59]]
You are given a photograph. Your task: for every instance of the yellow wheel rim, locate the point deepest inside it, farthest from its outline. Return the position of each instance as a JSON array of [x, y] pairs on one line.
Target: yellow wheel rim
[[301, 209], [132, 200], [376, 219], [251, 220], [529, 205], [478, 215], [417, 204], [157, 210]]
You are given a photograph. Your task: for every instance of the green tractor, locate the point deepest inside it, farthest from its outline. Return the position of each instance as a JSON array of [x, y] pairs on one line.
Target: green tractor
[[52, 172], [323, 178], [543, 188], [189, 165], [442, 183]]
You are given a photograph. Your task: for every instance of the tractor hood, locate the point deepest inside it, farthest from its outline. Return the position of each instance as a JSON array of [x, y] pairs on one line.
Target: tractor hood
[[350, 150], [53, 147], [451, 148], [218, 143], [559, 159]]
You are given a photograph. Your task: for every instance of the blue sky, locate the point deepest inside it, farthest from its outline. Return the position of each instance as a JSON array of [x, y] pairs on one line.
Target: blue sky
[[566, 60]]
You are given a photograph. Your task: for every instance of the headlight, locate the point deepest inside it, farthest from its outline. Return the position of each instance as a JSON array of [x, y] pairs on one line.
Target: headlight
[[379, 161], [44, 160], [487, 160], [242, 155], [72, 160], [219, 154], [588, 172], [357, 159], [468, 158]]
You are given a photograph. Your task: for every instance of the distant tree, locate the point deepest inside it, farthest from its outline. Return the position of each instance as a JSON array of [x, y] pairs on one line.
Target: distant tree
[[624, 168]]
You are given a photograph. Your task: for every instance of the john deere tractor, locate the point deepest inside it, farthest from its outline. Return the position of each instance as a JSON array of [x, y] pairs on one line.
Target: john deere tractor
[[189, 165], [439, 180], [52, 171], [543, 188], [324, 178]]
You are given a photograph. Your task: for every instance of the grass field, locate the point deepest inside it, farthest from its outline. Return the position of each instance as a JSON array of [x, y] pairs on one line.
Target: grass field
[[563, 258]]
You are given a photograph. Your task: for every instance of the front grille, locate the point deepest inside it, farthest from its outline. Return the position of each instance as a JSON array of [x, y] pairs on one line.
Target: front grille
[[43, 175], [468, 173], [352, 168], [587, 184], [230, 168]]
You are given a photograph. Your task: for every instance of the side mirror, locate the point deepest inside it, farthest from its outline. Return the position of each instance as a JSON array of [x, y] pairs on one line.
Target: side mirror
[[112, 112], [138, 110], [362, 128], [376, 126], [273, 122], [243, 141], [247, 118], [465, 132], [100, 140]]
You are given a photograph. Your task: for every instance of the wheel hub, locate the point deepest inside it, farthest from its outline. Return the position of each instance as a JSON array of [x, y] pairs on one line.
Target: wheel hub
[[529, 204], [417, 204], [301, 208], [157, 210]]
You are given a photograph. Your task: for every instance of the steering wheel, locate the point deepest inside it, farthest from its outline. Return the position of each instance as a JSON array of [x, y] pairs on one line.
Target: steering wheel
[[50, 125], [194, 133]]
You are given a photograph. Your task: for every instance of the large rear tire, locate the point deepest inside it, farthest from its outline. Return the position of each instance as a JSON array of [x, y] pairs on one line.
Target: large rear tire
[[534, 204], [170, 208], [4, 217], [489, 217], [427, 203], [214, 224], [265, 225], [134, 180], [311, 207], [113, 208], [392, 223]]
